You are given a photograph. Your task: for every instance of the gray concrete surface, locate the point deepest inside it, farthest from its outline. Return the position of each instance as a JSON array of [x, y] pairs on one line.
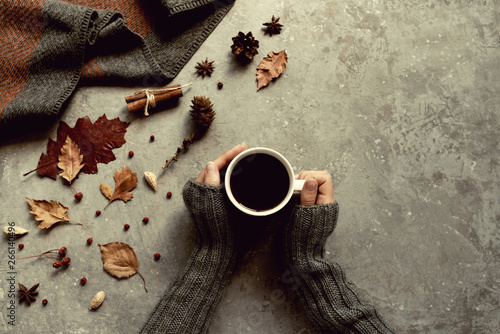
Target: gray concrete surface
[[397, 99]]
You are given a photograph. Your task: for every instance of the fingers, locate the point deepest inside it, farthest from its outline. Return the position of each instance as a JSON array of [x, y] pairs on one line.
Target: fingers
[[309, 192], [325, 193], [226, 158], [210, 174]]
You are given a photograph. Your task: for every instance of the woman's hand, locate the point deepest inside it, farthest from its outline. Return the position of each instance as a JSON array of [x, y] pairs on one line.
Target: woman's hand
[[210, 174], [318, 188]]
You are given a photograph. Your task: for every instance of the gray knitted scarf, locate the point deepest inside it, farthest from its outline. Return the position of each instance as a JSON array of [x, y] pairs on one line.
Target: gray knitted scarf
[[49, 46]]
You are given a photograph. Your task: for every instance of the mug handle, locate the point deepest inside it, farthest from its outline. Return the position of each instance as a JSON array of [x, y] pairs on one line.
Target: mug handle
[[297, 186]]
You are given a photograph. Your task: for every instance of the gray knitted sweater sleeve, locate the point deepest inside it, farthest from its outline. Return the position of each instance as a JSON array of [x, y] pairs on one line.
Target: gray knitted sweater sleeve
[[188, 306], [330, 300]]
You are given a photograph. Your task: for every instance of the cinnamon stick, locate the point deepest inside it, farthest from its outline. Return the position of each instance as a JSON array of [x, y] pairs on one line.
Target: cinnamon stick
[[137, 102]]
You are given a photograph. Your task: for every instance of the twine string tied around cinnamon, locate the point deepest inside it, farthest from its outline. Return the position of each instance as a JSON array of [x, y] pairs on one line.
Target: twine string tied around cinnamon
[[150, 95]]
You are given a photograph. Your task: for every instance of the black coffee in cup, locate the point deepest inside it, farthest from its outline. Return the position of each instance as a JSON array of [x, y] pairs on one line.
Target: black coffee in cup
[[259, 182]]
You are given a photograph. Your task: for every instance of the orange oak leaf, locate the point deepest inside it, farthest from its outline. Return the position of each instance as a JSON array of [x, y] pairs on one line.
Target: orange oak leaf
[[125, 181], [70, 160], [271, 67], [49, 213], [120, 261]]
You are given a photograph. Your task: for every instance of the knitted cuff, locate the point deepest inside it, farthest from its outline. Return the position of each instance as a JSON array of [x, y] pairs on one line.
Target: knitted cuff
[[307, 231], [330, 301], [189, 305], [207, 204]]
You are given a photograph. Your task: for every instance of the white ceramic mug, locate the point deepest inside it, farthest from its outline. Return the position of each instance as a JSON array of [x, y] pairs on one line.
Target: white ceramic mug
[[295, 186]]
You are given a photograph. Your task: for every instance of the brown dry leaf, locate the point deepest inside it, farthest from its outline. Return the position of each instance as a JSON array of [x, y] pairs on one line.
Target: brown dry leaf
[[125, 181], [271, 67], [70, 160], [99, 138], [106, 190], [49, 213], [120, 260]]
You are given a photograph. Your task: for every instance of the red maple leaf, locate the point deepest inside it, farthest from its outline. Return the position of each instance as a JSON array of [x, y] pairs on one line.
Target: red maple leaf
[[94, 140]]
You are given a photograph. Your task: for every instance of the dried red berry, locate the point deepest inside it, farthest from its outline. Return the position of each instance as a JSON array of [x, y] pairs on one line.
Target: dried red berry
[[66, 261], [98, 213], [56, 264], [131, 154], [83, 281], [169, 195], [21, 246], [157, 256], [220, 85], [62, 251], [145, 220], [89, 241], [126, 226], [152, 138], [78, 196], [44, 302]]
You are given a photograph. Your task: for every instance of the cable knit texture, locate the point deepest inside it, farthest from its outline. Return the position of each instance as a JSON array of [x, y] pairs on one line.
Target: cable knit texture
[[331, 302], [50, 47], [188, 306]]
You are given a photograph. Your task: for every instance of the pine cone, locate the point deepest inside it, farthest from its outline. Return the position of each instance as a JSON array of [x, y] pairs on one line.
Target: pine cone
[[245, 46], [202, 112]]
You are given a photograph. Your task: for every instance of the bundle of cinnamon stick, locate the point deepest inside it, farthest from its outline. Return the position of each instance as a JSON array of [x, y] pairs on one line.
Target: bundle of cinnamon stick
[[140, 101]]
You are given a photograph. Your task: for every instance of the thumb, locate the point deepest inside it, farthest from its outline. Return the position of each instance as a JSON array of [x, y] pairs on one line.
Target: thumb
[[212, 174], [309, 192]]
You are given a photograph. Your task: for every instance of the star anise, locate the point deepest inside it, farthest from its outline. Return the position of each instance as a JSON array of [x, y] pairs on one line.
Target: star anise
[[205, 68], [273, 27], [28, 295]]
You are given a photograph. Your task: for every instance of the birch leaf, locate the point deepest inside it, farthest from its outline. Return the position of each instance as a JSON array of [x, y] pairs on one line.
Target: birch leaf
[[120, 261], [70, 160]]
